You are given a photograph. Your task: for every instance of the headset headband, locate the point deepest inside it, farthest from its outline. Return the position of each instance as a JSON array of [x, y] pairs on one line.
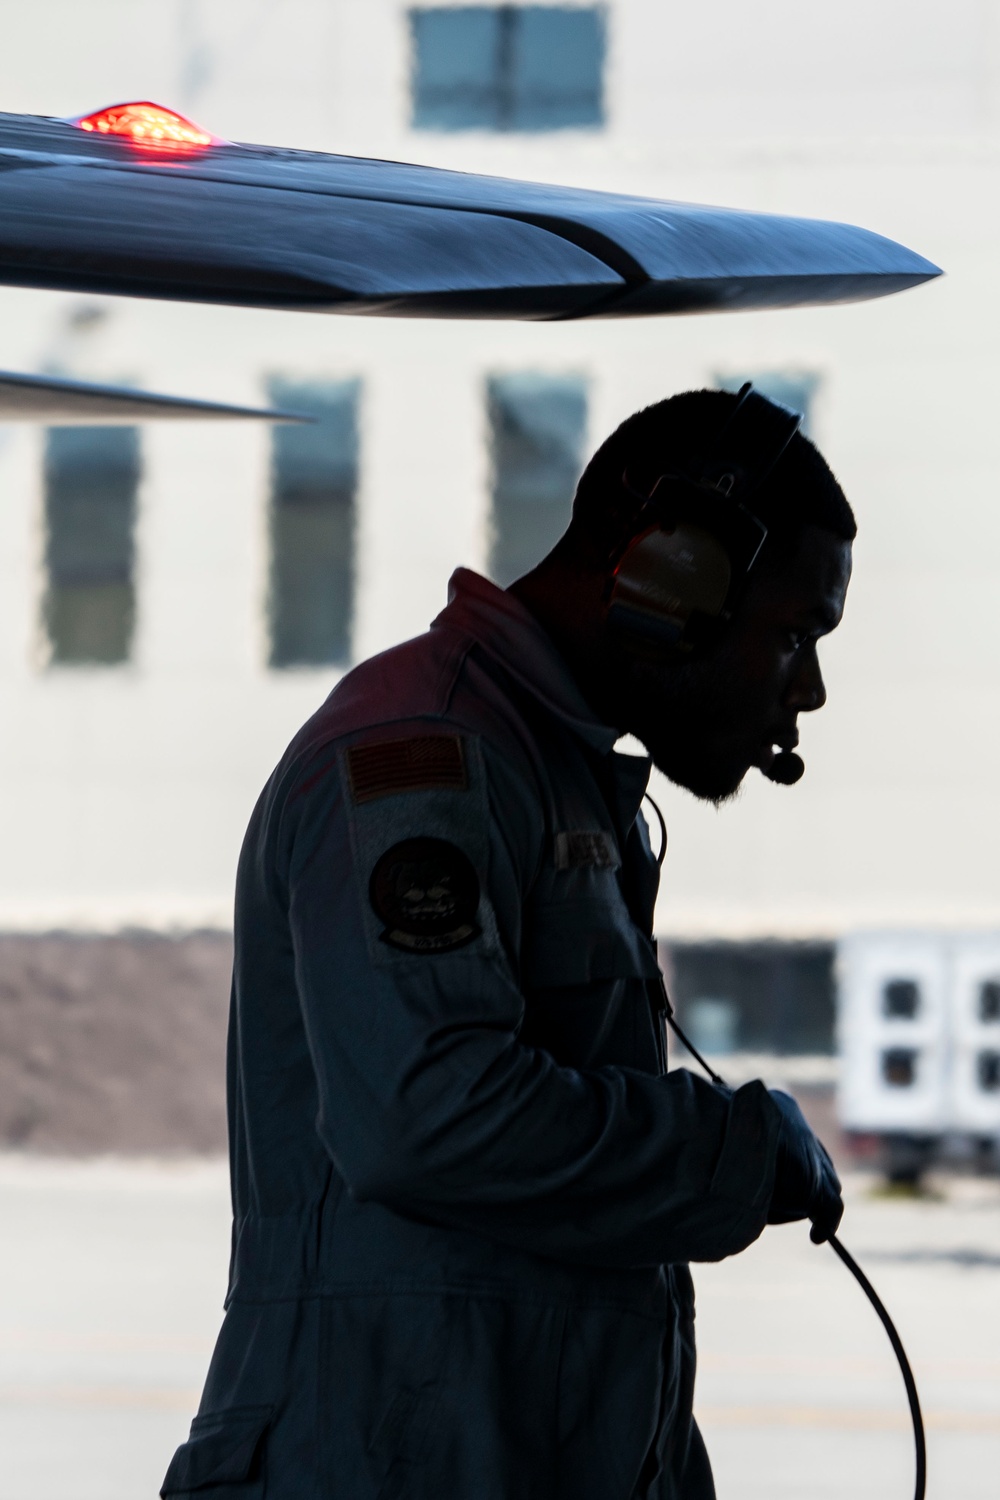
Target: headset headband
[[749, 443]]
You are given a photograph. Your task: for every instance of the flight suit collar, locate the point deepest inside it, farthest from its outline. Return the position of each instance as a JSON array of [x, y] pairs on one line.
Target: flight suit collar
[[508, 631]]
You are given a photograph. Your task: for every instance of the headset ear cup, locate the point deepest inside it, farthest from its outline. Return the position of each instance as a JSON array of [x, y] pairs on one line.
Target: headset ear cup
[[664, 578], [675, 582]]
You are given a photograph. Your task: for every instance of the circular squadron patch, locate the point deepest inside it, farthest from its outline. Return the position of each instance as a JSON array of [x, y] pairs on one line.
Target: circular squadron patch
[[427, 893]]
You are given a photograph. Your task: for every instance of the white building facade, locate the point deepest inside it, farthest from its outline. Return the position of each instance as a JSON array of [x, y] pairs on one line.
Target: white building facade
[[126, 782]]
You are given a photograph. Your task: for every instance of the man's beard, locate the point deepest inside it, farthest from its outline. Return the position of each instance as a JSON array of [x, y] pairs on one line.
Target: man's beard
[[710, 779], [684, 699]]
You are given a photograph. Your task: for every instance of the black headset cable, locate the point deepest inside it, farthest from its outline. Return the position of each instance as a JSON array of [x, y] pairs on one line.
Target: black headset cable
[[840, 1250]]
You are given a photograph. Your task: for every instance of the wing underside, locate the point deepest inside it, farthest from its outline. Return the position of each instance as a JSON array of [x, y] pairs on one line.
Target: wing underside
[[48, 399]]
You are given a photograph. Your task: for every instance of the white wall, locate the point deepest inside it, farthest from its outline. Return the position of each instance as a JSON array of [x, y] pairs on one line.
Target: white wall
[[123, 793]]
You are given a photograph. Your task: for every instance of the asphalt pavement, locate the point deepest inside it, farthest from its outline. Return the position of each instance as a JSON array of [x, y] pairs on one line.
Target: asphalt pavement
[[112, 1276]]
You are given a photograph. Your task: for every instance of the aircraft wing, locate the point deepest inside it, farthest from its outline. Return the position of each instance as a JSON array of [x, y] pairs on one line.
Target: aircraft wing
[[41, 398], [86, 209]]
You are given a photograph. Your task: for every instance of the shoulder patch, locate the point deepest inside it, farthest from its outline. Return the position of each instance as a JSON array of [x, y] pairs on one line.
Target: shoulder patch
[[585, 851], [418, 764], [426, 891]]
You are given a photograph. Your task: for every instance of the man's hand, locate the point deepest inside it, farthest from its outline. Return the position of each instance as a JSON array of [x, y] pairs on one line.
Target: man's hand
[[805, 1184]]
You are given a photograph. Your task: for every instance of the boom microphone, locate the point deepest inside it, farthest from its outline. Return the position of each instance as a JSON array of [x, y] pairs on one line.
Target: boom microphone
[[785, 768]]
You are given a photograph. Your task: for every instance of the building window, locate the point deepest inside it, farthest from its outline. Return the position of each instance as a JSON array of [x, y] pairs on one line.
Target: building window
[[314, 481], [507, 67], [795, 389], [91, 489], [755, 997], [537, 427]]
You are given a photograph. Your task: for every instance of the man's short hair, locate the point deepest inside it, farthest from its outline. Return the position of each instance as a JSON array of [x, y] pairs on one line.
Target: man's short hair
[[799, 491]]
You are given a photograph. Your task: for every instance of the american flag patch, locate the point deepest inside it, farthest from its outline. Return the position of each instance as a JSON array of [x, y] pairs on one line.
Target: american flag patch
[[415, 765]]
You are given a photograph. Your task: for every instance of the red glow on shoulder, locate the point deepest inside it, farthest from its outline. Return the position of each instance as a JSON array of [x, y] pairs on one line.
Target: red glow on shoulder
[[147, 124]]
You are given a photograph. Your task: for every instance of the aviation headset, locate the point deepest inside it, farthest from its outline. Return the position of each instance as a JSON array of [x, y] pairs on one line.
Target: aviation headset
[[693, 536], [692, 542]]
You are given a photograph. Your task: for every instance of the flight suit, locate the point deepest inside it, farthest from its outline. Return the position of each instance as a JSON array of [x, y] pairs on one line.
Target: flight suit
[[465, 1189]]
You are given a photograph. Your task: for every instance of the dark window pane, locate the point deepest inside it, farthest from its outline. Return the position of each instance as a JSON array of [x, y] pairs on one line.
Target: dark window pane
[[901, 999], [314, 476], [537, 425], [989, 1000], [456, 68], [899, 1067], [91, 486], [712, 1024], [507, 67], [795, 389], [756, 997], [988, 1071], [558, 68]]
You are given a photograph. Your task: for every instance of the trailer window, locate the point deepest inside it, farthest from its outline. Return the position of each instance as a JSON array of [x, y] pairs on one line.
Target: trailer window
[[901, 999], [899, 1067]]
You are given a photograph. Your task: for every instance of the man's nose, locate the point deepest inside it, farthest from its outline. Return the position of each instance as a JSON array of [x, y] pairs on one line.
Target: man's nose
[[807, 690]]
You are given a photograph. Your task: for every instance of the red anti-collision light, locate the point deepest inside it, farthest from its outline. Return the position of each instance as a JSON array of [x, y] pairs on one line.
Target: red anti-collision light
[[147, 124]]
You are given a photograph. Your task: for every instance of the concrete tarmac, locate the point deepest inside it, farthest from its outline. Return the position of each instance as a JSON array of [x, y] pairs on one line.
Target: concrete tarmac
[[799, 1394], [112, 1276]]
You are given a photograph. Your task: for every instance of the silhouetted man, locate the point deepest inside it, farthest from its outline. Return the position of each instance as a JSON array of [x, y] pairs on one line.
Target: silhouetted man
[[466, 1188]]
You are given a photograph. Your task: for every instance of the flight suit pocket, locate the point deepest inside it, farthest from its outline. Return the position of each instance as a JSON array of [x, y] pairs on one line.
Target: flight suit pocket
[[582, 943], [223, 1459], [586, 973]]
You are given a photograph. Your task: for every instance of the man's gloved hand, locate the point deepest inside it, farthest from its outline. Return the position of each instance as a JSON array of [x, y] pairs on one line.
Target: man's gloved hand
[[805, 1184]]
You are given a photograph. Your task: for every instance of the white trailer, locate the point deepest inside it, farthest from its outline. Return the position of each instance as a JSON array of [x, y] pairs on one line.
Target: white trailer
[[918, 1031]]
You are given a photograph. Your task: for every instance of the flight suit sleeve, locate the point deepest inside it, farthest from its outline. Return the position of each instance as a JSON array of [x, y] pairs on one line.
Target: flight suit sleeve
[[404, 863]]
